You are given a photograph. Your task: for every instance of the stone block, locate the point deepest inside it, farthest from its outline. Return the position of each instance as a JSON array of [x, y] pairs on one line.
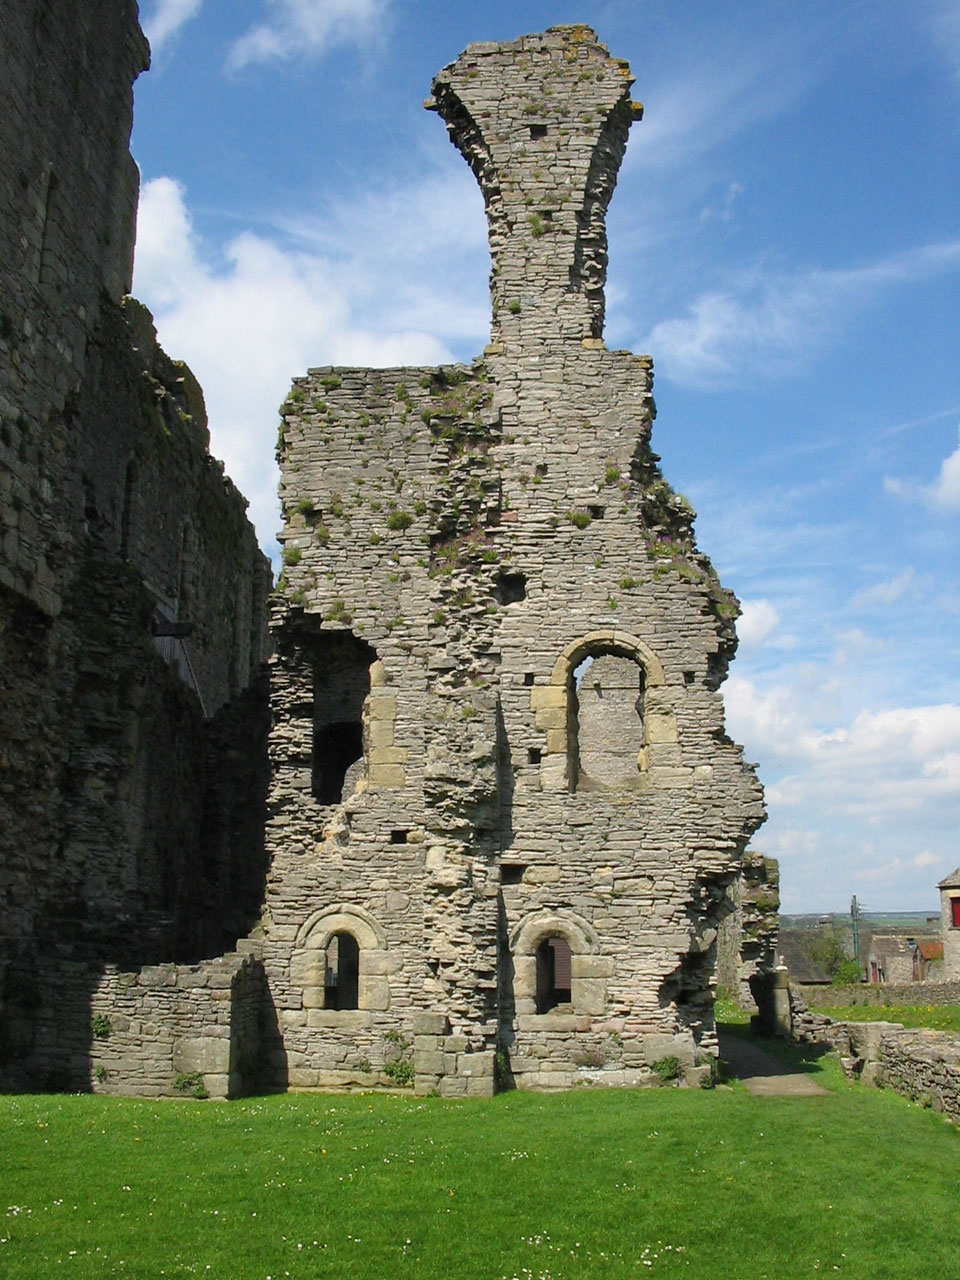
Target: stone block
[[374, 992], [429, 1024], [387, 777], [544, 696], [201, 1053], [428, 1062]]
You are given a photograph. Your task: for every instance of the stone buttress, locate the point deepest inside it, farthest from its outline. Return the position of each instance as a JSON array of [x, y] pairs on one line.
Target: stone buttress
[[505, 814]]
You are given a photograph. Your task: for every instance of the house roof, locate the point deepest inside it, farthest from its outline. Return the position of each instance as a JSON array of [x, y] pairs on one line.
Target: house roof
[[930, 948], [952, 881], [802, 967]]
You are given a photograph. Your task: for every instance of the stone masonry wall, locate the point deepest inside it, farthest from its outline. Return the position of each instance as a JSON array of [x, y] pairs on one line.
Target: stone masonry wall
[[132, 591], [471, 535]]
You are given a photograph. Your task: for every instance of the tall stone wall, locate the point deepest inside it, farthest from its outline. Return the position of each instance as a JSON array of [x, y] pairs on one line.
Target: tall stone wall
[[463, 539], [132, 592]]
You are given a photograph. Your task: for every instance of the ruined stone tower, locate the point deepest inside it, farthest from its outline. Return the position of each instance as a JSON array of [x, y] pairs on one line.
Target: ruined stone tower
[[504, 811]]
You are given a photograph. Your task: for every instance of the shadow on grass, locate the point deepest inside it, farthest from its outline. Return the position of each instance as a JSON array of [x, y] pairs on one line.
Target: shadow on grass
[[747, 1053]]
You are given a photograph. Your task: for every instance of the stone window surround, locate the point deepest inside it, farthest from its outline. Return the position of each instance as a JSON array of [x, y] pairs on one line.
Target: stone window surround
[[308, 965], [589, 970], [551, 704]]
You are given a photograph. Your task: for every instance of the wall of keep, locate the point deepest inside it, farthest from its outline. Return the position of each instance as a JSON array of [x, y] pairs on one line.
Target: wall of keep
[[483, 529], [115, 524], [65, 109]]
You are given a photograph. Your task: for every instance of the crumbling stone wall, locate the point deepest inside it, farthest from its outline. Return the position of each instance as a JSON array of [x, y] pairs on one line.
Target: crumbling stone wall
[[748, 936], [473, 535], [132, 592]]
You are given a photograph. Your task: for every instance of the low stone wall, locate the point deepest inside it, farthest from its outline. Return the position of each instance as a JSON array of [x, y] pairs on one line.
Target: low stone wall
[[178, 1029], [907, 993], [919, 1063], [922, 1065]]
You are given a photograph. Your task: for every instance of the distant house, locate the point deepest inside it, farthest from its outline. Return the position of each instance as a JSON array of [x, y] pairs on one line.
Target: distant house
[[895, 958], [804, 969], [950, 925]]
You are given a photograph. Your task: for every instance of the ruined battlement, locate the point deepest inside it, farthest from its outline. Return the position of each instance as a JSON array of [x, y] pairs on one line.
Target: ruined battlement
[[542, 122]]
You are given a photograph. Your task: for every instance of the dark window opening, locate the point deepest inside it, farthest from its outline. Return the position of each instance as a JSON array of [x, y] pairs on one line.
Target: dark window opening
[[341, 683], [343, 972], [512, 872], [553, 974], [511, 588], [538, 131], [534, 755], [596, 511], [955, 912], [336, 747], [689, 677], [399, 836], [528, 678]]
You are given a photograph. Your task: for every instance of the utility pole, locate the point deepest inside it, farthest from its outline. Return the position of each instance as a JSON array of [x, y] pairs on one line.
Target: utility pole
[[855, 917]]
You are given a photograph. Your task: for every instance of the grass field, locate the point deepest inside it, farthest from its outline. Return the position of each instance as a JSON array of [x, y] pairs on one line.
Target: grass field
[[666, 1182], [939, 1017]]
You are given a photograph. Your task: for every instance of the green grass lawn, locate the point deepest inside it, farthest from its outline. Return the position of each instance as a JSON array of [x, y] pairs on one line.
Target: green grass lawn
[[666, 1182], [941, 1017]]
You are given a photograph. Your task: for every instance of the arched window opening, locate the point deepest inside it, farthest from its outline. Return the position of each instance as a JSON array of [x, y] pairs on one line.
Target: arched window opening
[[553, 973], [341, 683], [342, 986], [605, 721]]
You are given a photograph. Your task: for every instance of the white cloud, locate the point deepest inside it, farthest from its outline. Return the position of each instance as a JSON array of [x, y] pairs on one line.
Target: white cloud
[[758, 620], [249, 325], [769, 323], [300, 28], [166, 19], [942, 494], [722, 211], [881, 764], [884, 593]]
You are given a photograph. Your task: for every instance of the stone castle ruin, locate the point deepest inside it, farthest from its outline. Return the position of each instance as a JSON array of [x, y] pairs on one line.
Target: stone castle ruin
[[492, 833]]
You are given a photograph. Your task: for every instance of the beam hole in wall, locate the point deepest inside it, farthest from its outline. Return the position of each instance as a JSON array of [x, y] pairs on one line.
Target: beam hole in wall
[[689, 677], [528, 678], [512, 872], [538, 131], [534, 755], [511, 588], [399, 836], [596, 511], [553, 973], [342, 983]]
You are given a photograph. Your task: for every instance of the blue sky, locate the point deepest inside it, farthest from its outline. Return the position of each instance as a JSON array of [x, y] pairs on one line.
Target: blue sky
[[785, 243]]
